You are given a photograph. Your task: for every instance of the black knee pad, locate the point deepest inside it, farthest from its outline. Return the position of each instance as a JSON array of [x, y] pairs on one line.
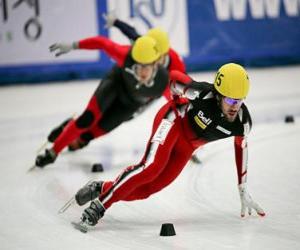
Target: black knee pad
[[86, 137], [85, 120]]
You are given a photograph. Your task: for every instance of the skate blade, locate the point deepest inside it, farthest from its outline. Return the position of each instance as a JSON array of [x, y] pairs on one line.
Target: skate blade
[[31, 168], [81, 226], [67, 205], [42, 147], [71, 201]]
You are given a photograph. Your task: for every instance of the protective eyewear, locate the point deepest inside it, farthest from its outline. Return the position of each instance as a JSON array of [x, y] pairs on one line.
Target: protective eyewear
[[232, 101], [139, 67]]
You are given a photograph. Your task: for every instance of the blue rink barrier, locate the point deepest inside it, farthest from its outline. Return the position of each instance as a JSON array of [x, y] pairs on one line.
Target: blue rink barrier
[[253, 33]]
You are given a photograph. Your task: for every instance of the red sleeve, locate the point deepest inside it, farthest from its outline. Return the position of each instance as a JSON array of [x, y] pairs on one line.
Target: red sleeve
[[176, 62], [240, 146], [177, 76], [167, 93], [114, 50]]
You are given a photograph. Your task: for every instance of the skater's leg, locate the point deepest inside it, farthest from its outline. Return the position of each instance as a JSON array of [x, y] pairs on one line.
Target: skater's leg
[[115, 115], [187, 143], [102, 99], [104, 96], [75, 127], [156, 158], [181, 153]]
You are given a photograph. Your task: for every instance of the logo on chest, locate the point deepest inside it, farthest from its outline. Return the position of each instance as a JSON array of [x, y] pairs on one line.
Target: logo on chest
[[201, 120]]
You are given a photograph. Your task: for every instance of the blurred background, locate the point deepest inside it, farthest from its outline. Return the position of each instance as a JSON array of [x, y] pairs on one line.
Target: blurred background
[[38, 91], [205, 33]]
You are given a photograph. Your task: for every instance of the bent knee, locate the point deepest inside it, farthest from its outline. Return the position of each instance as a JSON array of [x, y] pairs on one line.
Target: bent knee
[[85, 120]]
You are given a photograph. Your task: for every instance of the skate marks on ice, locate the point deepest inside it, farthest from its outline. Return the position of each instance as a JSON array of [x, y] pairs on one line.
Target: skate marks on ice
[[203, 204]]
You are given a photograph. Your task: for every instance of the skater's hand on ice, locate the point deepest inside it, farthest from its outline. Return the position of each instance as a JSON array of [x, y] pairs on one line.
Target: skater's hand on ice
[[62, 48], [248, 203]]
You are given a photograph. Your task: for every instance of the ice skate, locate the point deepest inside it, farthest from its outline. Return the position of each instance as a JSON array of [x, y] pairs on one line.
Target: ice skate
[[72, 200], [48, 157], [93, 213], [89, 192]]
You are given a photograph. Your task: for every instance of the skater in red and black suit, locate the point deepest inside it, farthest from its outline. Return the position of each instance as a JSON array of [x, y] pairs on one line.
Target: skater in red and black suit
[[169, 59], [212, 112], [135, 82]]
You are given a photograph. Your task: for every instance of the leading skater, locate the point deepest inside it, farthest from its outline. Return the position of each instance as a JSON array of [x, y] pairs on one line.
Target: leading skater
[[213, 112]]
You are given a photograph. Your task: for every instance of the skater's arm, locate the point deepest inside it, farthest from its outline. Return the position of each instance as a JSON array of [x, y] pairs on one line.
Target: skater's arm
[[183, 85], [114, 50], [241, 144], [176, 63], [178, 82], [127, 29], [241, 153], [241, 159]]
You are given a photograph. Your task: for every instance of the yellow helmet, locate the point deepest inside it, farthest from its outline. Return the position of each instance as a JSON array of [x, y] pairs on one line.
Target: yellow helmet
[[232, 81], [145, 50], [162, 39]]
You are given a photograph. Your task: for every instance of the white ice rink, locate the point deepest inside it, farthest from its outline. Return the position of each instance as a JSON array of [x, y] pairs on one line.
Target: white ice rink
[[203, 203]]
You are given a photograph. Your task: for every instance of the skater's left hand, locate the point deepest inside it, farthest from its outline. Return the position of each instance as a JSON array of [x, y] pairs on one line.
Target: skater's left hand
[[248, 203]]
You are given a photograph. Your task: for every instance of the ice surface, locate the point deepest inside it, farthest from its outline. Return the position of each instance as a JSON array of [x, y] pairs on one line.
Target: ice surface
[[203, 202]]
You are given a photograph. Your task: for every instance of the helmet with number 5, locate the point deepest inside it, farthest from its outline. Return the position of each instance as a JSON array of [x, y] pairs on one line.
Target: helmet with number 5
[[232, 81]]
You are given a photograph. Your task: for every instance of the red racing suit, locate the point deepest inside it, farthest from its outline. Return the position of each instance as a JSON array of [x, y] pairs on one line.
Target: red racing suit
[[118, 97], [179, 129]]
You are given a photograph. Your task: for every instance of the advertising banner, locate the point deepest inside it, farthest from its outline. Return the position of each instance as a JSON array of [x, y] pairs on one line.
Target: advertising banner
[[205, 33], [29, 27], [170, 15], [253, 32]]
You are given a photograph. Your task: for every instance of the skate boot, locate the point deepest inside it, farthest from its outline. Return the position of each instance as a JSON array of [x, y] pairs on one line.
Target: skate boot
[[89, 192], [77, 144], [57, 131], [45, 159], [93, 213]]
